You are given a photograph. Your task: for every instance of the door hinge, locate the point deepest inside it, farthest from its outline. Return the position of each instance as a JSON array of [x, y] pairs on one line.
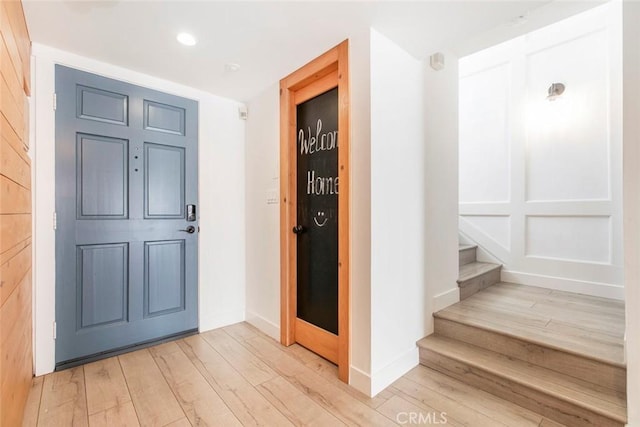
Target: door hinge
[[55, 220], [55, 330], [55, 101]]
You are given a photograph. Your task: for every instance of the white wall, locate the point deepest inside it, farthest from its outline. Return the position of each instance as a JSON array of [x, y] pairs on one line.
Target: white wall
[[541, 181], [221, 186], [360, 223], [404, 250], [397, 211], [631, 148], [263, 220], [441, 186]]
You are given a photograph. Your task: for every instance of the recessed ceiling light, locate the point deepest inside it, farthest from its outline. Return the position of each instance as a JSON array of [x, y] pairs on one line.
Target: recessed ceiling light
[[186, 39], [232, 67]]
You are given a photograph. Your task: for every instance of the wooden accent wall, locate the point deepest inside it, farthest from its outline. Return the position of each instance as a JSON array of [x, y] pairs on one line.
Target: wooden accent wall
[[16, 360]]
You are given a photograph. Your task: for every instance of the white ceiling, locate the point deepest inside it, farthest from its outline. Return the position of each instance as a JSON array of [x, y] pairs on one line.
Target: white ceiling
[[268, 39]]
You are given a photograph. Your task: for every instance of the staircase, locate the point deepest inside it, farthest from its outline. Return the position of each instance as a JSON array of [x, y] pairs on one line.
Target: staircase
[[473, 275], [556, 353]]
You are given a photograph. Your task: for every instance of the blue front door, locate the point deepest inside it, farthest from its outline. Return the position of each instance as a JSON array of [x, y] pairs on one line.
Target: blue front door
[[126, 197]]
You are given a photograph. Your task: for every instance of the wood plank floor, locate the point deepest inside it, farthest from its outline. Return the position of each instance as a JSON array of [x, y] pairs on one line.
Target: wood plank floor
[[238, 376], [576, 323]]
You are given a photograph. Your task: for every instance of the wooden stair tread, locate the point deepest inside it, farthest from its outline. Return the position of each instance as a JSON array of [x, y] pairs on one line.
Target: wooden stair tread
[[561, 298], [600, 400], [559, 354], [575, 365], [500, 410], [539, 336], [475, 269], [600, 323], [564, 296], [492, 309]]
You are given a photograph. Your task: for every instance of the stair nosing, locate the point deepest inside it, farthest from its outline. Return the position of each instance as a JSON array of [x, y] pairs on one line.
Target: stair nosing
[[466, 247], [441, 315], [519, 380]]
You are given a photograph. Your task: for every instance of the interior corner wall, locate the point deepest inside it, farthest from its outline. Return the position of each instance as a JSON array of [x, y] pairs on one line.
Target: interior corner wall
[[263, 212], [263, 218], [361, 315], [441, 186], [221, 180], [631, 183], [404, 241], [398, 203]]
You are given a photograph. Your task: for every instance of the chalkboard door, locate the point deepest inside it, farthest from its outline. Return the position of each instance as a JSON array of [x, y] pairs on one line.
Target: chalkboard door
[[317, 211], [314, 211]]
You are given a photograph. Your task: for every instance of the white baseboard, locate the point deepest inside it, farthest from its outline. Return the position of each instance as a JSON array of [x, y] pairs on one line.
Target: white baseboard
[[394, 370], [266, 326], [360, 380], [218, 320], [445, 299], [603, 290]]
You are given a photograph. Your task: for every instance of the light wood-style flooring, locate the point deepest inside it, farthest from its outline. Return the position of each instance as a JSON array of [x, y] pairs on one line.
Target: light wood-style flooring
[[579, 324], [238, 376]]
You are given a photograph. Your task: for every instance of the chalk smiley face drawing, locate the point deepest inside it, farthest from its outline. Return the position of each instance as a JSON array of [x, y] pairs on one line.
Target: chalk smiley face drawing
[[320, 219]]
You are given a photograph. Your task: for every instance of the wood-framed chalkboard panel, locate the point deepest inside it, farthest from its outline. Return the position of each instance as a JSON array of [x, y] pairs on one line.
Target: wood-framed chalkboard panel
[[312, 158]]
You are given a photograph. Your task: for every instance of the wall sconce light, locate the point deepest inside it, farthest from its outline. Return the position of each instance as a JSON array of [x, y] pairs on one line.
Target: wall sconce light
[[555, 90]]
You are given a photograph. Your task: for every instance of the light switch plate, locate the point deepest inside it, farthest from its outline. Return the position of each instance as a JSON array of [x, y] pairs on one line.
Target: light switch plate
[[272, 196]]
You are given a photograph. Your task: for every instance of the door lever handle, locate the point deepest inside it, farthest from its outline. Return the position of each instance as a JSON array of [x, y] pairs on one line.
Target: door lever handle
[[190, 229], [298, 229]]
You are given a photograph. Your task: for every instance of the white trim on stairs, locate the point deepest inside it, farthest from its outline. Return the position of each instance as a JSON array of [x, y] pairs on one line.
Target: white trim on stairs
[[604, 290], [445, 299]]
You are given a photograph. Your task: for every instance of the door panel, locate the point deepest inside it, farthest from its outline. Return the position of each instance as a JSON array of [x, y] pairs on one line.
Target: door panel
[[101, 105], [164, 181], [164, 277], [102, 175], [317, 211], [103, 281], [163, 118], [126, 166]]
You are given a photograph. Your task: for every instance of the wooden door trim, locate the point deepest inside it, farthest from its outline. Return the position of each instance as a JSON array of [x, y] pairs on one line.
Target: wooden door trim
[[296, 87]]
